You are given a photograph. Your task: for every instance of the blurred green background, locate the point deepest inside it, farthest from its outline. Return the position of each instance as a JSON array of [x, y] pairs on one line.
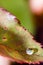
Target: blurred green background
[[21, 10]]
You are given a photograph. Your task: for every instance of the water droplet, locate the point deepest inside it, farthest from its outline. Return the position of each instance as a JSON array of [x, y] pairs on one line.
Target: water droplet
[[31, 51]]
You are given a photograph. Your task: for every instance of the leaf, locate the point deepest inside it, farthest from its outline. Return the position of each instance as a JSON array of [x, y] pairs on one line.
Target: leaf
[[16, 42]]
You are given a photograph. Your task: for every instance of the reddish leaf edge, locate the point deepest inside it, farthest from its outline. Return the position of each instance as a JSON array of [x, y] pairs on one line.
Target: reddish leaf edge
[[16, 60]]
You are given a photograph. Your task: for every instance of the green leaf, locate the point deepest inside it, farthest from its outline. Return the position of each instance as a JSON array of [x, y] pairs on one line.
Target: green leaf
[[16, 42]]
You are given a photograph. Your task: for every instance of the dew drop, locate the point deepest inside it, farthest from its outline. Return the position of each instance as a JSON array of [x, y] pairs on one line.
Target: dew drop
[[31, 51]]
